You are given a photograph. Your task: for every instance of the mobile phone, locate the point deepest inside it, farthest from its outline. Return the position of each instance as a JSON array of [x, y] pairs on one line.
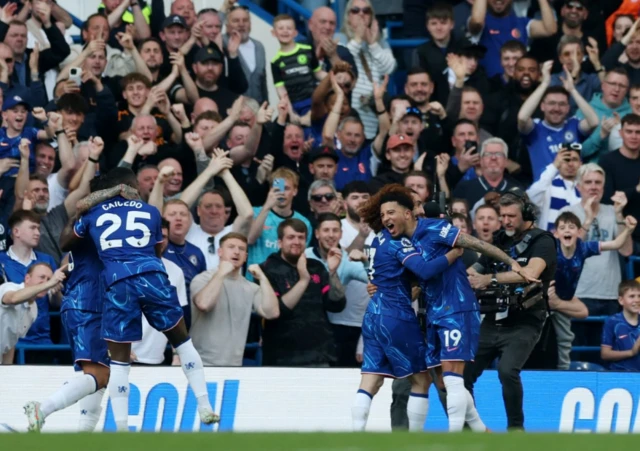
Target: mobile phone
[[75, 75], [279, 184], [470, 144]]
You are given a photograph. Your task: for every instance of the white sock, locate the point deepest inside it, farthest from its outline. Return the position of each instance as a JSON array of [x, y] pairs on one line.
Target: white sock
[[69, 394], [360, 410], [90, 410], [472, 417], [194, 370], [417, 409], [456, 400], [119, 393]]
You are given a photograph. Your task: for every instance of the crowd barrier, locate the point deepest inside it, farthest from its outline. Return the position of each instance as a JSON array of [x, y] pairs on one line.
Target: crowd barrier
[[291, 399]]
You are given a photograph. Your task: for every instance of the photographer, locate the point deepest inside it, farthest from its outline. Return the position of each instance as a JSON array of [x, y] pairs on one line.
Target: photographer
[[512, 332]]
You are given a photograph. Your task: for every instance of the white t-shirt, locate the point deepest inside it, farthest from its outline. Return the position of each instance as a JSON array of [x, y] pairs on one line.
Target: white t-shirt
[[15, 320], [57, 194], [355, 291], [150, 349], [248, 52], [200, 239]]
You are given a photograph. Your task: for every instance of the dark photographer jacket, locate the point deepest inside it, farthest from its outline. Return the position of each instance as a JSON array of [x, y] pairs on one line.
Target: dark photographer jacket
[[541, 245]]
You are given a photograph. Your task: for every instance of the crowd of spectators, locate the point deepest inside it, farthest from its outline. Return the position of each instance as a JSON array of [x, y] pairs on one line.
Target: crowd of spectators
[[264, 241]]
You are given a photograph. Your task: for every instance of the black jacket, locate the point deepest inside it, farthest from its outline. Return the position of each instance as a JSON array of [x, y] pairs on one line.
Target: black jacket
[[49, 58], [302, 335]]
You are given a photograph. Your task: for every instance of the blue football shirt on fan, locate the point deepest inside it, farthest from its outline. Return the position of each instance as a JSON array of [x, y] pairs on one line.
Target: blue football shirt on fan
[[357, 167], [543, 142], [569, 269], [9, 147], [620, 335], [497, 31], [15, 271]]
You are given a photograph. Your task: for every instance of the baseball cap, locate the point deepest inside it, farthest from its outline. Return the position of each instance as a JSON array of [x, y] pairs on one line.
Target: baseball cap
[[413, 111], [14, 101], [398, 140], [471, 50], [174, 19], [211, 52], [321, 152]]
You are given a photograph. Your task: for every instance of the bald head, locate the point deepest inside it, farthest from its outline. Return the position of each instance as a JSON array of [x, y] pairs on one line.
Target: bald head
[[322, 24], [174, 184], [185, 9], [203, 104]]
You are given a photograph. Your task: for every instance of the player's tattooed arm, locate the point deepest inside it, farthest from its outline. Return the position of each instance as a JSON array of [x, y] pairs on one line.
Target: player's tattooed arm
[[100, 196], [68, 238], [469, 242]]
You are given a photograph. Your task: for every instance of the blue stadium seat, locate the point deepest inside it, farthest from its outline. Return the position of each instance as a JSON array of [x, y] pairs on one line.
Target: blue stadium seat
[[585, 366]]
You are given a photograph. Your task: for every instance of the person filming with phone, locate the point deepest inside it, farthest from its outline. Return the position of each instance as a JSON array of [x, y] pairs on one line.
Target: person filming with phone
[[491, 175], [263, 235], [556, 187]]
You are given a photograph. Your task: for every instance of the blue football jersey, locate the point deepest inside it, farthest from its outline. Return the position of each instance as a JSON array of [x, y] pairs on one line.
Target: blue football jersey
[[9, 147], [620, 335], [543, 142], [450, 291], [83, 288], [387, 273], [569, 269], [125, 233]]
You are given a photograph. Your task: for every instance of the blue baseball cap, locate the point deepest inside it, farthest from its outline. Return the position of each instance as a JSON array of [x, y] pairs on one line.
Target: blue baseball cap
[[13, 101]]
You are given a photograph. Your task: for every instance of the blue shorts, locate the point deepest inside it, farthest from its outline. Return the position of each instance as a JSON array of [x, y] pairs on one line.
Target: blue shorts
[[150, 294], [302, 107], [85, 337], [453, 338], [392, 347]]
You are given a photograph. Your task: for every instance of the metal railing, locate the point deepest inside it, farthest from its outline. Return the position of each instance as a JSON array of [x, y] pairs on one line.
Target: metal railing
[[588, 319]]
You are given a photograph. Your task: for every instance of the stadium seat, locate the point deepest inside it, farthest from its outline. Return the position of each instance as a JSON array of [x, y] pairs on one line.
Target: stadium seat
[[585, 366]]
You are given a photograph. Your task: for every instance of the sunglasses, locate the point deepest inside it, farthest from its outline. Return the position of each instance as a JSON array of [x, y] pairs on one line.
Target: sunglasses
[[574, 5], [357, 10], [212, 245], [318, 197]]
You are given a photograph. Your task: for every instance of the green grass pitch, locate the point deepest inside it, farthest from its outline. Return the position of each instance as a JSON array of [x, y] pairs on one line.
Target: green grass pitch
[[317, 442]]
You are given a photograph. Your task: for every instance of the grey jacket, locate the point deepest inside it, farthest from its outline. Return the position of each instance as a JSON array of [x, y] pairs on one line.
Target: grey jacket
[[258, 78]]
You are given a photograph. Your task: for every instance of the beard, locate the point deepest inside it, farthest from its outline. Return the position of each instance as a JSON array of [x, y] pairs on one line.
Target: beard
[[353, 214], [41, 207], [510, 233], [524, 91]]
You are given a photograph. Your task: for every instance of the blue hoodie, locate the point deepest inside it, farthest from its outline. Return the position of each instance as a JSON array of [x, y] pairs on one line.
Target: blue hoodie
[[594, 147]]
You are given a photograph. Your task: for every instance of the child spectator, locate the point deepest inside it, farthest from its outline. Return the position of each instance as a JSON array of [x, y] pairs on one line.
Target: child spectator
[[621, 332], [15, 112], [572, 253], [295, 67]]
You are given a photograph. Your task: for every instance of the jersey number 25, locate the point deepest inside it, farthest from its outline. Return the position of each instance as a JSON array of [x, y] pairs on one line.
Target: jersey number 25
[[131, 225]]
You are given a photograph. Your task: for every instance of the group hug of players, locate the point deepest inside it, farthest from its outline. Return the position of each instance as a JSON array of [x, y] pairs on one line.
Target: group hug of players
[[114, 275], [407, 250], [121, 237]]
